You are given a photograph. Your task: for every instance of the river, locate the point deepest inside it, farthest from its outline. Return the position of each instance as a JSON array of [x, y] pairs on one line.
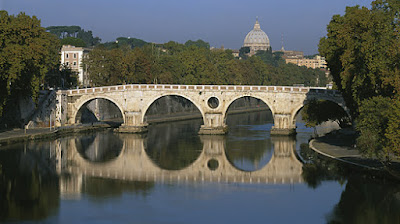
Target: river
[[173, 175]]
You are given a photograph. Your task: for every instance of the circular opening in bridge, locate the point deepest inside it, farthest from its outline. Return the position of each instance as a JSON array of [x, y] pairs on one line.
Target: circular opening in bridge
[[213, 102], [99, 110], [99, 147], [172, 140], [212, 164], [248, 143]]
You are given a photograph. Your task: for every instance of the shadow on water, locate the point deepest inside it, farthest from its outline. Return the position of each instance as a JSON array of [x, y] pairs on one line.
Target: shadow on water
[[28, 184], [365, 199]]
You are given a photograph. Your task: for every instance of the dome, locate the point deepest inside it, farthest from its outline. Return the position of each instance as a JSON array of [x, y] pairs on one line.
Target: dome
[[256, 39]]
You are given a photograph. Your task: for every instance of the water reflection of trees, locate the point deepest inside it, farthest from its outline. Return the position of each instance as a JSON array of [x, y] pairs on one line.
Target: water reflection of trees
[[28, 189], [99, 188], [174, 146], [317, 169], [365, 198]]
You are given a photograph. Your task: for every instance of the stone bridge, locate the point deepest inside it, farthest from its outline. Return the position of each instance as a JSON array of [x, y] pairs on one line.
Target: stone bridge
[[212, 101], [133, 163]]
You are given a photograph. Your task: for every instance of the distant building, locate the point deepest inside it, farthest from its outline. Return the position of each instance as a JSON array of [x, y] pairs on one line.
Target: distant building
[[290, 54], [316, 62], [256, 40], [235, 53], [72, 56]]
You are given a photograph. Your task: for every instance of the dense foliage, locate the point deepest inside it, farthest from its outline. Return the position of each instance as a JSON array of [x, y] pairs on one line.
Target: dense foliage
[[362, 50], [318, 111], [61, 77], [125, 42], [192, 63], [27, 53], [72, 35]]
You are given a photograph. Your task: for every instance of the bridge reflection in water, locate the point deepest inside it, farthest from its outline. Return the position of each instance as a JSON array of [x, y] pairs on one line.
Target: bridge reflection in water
[[131, 162]]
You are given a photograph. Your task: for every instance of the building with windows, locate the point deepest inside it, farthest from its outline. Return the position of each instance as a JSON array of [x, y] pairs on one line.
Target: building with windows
[[290, 54], [71, 57], [256, 40], [316, 62]]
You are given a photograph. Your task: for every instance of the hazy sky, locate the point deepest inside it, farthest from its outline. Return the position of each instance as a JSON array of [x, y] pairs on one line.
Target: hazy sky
[[219, 22]]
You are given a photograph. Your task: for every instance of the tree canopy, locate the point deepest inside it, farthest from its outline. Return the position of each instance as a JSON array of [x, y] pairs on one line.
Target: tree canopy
[[125, 42], [197, 43], [362, 50], [181, 64], [73, 41], [76, 32], [316, 112], [27, 53]]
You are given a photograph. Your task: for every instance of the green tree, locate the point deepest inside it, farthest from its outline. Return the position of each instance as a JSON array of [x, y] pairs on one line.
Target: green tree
[[270, 58], [63, 32], [197, 68], [378, 124], [125, 42], [243, 51], [73, 41], [27, 53], [315, 112], [172, 47], [62, 77], [105, 66], [198, 43], [362, 49]]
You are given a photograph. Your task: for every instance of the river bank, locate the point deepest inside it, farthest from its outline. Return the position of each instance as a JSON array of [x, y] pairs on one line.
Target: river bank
[[340, 145], [21, 135]]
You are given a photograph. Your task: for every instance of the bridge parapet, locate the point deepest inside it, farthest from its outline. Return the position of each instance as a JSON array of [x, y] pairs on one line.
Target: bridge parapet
[[290, 89]]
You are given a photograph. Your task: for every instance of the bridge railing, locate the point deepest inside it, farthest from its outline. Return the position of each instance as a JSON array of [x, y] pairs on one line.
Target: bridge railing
[[293, 89]]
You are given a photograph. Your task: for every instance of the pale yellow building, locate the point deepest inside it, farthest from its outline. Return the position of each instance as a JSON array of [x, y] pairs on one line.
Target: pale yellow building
[[71, 57], [316, 62]]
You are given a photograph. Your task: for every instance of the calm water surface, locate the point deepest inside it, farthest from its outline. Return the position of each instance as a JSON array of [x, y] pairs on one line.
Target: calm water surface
[[173, 175]]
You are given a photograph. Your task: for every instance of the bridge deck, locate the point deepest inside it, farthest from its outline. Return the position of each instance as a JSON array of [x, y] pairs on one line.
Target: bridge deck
[[291, 89]]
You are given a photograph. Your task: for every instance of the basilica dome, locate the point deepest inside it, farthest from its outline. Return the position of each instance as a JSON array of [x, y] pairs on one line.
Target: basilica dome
[[256, 39]]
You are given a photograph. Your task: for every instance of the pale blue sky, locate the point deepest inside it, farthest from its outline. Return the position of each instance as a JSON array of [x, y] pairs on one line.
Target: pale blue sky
[[219, 22]]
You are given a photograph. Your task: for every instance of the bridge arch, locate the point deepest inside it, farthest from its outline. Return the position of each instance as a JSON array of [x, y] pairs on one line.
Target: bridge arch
[[90, 98], [229, 103], [148, 105], [305, 102]]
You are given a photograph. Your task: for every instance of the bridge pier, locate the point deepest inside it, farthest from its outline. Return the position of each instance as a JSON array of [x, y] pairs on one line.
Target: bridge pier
[[133, 123], [283, 125], [213, 125]]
